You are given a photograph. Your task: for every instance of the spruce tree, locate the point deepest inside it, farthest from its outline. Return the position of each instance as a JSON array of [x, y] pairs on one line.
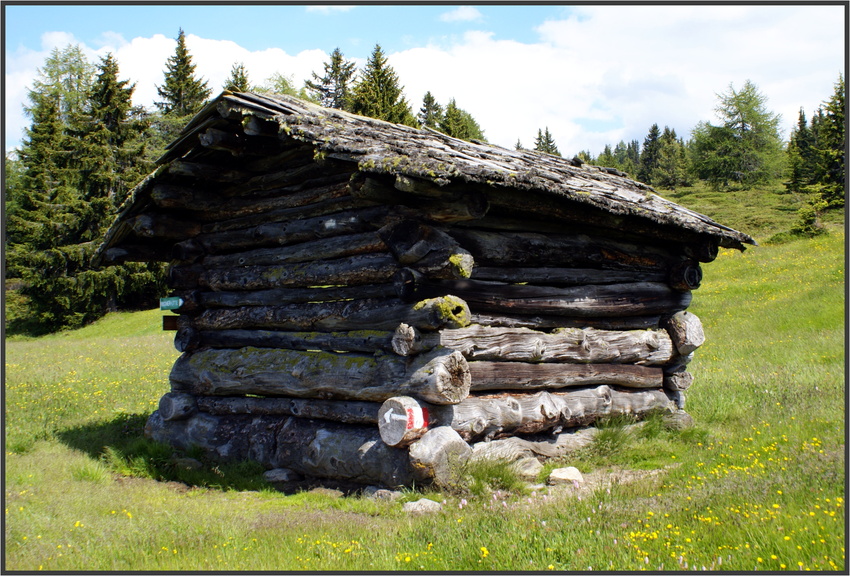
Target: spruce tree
[[378, 93], [77, 174], [545, 142], [331, 90], [801, 163], [459, 123], [238, 80], [832, 146], [670, 168], [649, 155], [183, 93], [431, 113]]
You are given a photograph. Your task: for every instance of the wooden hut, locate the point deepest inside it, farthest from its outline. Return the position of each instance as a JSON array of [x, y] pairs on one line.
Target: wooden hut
[[363, 301]]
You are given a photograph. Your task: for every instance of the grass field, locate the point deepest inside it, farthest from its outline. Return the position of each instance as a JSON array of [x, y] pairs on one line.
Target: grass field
[[758, 484]]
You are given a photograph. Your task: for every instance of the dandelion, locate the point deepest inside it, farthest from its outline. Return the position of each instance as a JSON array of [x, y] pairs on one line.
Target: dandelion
[[484, 552]]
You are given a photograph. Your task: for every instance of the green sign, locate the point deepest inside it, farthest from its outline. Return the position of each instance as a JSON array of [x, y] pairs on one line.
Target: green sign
[[172, 303]]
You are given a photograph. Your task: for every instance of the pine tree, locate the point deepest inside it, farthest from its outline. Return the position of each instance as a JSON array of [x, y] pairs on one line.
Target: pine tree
[[331, 90], [649, 155], [801, 163], [831, 146], [546, 143], [183, 93], [670, 168], [77, 174], [431, 113], [459, 123], [238, 81], [378, 94]]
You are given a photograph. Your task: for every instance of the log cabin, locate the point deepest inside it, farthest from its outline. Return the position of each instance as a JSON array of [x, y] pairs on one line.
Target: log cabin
[[367, 302]]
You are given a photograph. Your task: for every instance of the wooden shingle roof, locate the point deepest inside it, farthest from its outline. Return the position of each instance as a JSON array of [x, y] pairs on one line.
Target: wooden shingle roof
[[383, 148]]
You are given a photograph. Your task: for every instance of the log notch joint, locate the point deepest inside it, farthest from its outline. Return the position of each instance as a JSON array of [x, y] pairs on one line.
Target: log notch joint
[[365, 301]]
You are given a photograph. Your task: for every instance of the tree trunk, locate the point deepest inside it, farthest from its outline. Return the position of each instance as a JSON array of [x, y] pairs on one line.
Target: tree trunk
[[686, 332], [598, 301], [401, 420], [368, 341], [335, 410], [578, 251], [441, 377], [523, 376], [549, 322], [324, 249], [573, 345], [370, 314]]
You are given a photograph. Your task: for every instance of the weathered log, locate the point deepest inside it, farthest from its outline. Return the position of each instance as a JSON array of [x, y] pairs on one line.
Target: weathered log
[[524, 376], [566, 276], [198, 171], [573, 345], [294, 231], [548, 322], [188, 251], [354, 270], [686, 275], [704, 251], [347, 412], [601, 301], [177, 406], [678, 379], [368, 341], [367, 314], [436, 455], [314, 448], [324, 249], [402, 420], [208, 207], [441, 377], [320, 208], [237, 143], [444, 209], [521, 248], [281, 296], [431, 252], [164, 227], [515, 448], [686, 332]]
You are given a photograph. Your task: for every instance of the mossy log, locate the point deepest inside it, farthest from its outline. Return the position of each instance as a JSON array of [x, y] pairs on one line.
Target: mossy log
[[441, 376], [367, 314], [525, 376], [314, 448], [354, 270], [573, 345], [601, 301], [402, 420]]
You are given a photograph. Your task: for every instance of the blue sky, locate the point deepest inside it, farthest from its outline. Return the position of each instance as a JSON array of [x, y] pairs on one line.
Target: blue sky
[[592, 74]]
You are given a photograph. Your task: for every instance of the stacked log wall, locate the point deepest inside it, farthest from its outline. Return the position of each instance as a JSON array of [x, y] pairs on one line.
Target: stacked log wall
[[380, 319]]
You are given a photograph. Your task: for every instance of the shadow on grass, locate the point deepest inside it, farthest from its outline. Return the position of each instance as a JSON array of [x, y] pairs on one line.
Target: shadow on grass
[[121, 444]]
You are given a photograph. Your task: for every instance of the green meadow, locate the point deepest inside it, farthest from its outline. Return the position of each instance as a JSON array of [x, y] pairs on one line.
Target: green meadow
[[757, 484]]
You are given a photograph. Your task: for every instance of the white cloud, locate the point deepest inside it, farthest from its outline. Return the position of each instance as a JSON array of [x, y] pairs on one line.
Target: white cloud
[[461, 14]]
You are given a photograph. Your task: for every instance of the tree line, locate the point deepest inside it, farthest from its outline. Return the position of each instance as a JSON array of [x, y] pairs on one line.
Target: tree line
[[87, 146]]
